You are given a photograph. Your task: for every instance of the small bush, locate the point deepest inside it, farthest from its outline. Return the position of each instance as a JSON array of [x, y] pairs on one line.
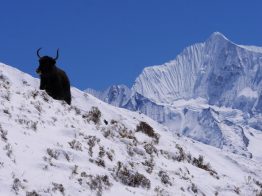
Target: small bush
[[6, 111], [93, 115], [45, 96], [150, 148], [101, 153], [33, 193], [74, 170], [58, 187], [113, 122], [92, 140], [165, 179], [237, 190], [3, 134], [109, 156], [98, 183], [100, 162], [76, 109], [161, 191], [149, 164], [130, 178], [199, 162], [53, 153], [182, 155], [148, 130], [194, 188], [34, 94], [9, 150], [76, 145], [17, 185]]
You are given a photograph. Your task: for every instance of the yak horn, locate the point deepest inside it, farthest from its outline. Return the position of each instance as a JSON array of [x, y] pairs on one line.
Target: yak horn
[[38, 52], [57, 54]]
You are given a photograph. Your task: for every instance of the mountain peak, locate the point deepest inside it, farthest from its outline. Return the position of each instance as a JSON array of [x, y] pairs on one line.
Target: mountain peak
[[217, 36]]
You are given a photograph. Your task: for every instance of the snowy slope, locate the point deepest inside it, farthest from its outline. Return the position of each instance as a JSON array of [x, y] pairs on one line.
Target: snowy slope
[[50, 148]]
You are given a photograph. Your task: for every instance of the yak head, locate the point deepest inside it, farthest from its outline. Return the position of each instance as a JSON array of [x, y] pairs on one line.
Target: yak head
[[46, 63]]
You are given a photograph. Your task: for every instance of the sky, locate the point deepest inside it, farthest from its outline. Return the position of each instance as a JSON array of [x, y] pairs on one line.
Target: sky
[[106, 42]]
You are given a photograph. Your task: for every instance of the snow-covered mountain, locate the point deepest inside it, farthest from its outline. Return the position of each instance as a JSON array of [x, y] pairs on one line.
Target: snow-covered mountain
[[92, 148], [202, 80], [116, 95], [222, 72]]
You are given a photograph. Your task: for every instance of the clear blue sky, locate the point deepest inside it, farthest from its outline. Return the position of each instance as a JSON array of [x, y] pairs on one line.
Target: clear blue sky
[[105, 42]]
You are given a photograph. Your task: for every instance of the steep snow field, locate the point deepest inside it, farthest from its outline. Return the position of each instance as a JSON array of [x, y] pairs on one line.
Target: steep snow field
[[50, 148]]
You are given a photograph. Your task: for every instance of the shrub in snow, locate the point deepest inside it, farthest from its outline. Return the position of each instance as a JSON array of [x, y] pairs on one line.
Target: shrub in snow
[[150, 148], [101, 153], [32, 193], [194, 188], [165, 179], [92, 140], [17, 185], [148, 130], [181, 153], [149, 164], [93, 115], [76, 145], [53, 153], [9, 150], [6, 111], [199, 162], [58, 187], [45, 96], [100, 162], [109, 155], [113, 122], [130, 178], [76, 109], [3, 134], [161, 191], [98, 183]]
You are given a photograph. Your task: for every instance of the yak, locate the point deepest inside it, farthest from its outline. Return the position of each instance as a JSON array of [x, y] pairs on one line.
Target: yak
[[53, 79]]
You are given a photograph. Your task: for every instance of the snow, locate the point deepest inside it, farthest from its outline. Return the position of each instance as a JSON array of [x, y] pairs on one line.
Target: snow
[[217, 74], [217, 70], [248, 92], [50, 148], [252, 48]]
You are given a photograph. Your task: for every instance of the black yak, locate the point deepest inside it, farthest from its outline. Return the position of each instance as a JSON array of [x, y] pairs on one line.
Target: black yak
[[52, 79]]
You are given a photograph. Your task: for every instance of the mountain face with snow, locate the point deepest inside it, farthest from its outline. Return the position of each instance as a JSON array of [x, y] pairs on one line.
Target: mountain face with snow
[[195, 94], [92, 148], [224, 73], [116, 95]]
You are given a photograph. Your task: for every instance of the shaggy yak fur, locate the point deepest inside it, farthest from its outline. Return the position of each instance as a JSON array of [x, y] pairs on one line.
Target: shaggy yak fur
[[52, 79]]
